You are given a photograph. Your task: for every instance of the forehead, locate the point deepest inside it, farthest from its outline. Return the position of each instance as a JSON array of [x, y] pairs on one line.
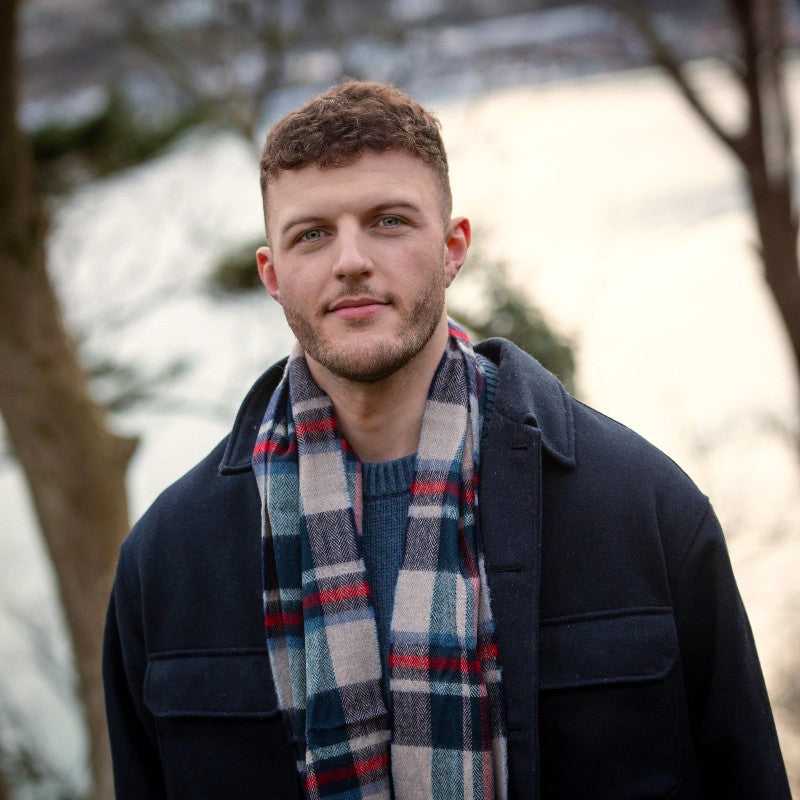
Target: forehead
[[372, 179]]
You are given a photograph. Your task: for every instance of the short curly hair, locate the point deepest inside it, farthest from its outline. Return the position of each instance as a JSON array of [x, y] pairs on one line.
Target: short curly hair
[[352, 118]]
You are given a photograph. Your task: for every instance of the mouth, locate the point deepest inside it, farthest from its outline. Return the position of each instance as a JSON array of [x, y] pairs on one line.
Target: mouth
[[358, 307]]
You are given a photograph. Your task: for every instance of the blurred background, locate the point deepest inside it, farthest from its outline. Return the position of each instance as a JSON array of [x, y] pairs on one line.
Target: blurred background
[[628, 169]]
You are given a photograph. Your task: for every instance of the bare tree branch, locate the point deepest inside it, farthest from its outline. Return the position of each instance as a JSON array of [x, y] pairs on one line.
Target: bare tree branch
[[673, 66], [254, 34], [762, 149]]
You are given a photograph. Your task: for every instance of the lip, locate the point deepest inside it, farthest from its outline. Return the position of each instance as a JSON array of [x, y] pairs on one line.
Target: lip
[[356, 307]]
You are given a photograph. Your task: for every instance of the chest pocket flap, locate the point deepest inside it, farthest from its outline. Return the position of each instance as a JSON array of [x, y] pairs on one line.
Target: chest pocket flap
[[219, 683], [629, 646]]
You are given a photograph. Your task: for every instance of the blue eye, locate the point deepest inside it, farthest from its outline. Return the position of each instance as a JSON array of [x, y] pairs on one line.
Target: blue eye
[[311, 236], [389, 222]]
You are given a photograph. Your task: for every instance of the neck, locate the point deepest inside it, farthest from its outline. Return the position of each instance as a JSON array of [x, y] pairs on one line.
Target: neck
[[382, 420]]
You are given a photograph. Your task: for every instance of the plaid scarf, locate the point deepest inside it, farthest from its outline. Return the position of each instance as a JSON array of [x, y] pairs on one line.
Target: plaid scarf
[[446, 738]]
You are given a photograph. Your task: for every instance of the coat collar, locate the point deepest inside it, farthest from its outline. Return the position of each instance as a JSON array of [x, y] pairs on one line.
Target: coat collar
[[526, 394], [530, 395]]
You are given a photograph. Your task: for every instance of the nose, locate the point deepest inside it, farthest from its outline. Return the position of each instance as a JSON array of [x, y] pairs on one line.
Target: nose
[[351, 257]]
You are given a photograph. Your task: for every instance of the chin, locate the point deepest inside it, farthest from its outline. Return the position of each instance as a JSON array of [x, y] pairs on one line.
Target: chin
[[366, 361], [367, 350]]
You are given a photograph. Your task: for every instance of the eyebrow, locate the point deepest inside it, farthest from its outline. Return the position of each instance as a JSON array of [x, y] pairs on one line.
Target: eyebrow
[[315, 219], [292, 223]]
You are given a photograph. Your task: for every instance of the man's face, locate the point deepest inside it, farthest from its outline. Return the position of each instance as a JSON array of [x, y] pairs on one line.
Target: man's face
[[360, 260]]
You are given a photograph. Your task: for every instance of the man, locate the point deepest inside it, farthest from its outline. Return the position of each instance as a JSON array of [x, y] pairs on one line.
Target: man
[[473, 586]]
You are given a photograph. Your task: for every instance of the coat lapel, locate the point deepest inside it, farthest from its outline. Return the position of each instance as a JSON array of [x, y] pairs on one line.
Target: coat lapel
[[511, 531]]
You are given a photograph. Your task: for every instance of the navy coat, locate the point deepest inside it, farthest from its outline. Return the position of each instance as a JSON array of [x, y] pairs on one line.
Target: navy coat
[[629, 667]]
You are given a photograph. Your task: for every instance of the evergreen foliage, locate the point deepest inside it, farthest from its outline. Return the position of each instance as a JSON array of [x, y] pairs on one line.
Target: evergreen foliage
[[509, 312], [110, 140], [236, 271]]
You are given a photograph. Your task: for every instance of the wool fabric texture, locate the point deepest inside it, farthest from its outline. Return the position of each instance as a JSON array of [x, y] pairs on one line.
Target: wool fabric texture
[[386, 493], [446, 739]]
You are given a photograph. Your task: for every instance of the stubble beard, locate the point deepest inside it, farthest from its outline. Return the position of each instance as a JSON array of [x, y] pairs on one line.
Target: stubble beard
[[375, 358]]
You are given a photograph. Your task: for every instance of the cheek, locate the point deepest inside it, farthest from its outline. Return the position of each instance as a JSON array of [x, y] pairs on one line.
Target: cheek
[[298, 291]]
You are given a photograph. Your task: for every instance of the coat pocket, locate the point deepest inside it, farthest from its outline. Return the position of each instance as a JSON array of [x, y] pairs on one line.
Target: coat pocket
[[608, 719], [221, 734]]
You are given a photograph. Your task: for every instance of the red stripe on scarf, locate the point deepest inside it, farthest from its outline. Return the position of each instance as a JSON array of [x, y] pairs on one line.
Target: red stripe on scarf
[[336, 595], [283, 620], [488, 649], [459, 334], [343, 773], [434, 487], [268, 446], [315, 426], [429, 663]]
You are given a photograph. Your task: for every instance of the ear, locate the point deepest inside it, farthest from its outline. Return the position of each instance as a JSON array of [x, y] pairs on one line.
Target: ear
[[457, 240], [266, 272]]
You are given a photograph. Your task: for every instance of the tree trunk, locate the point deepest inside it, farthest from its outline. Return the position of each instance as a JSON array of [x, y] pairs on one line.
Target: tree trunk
[[765, 151], [74, 466], [776, 222], [763, 147]]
